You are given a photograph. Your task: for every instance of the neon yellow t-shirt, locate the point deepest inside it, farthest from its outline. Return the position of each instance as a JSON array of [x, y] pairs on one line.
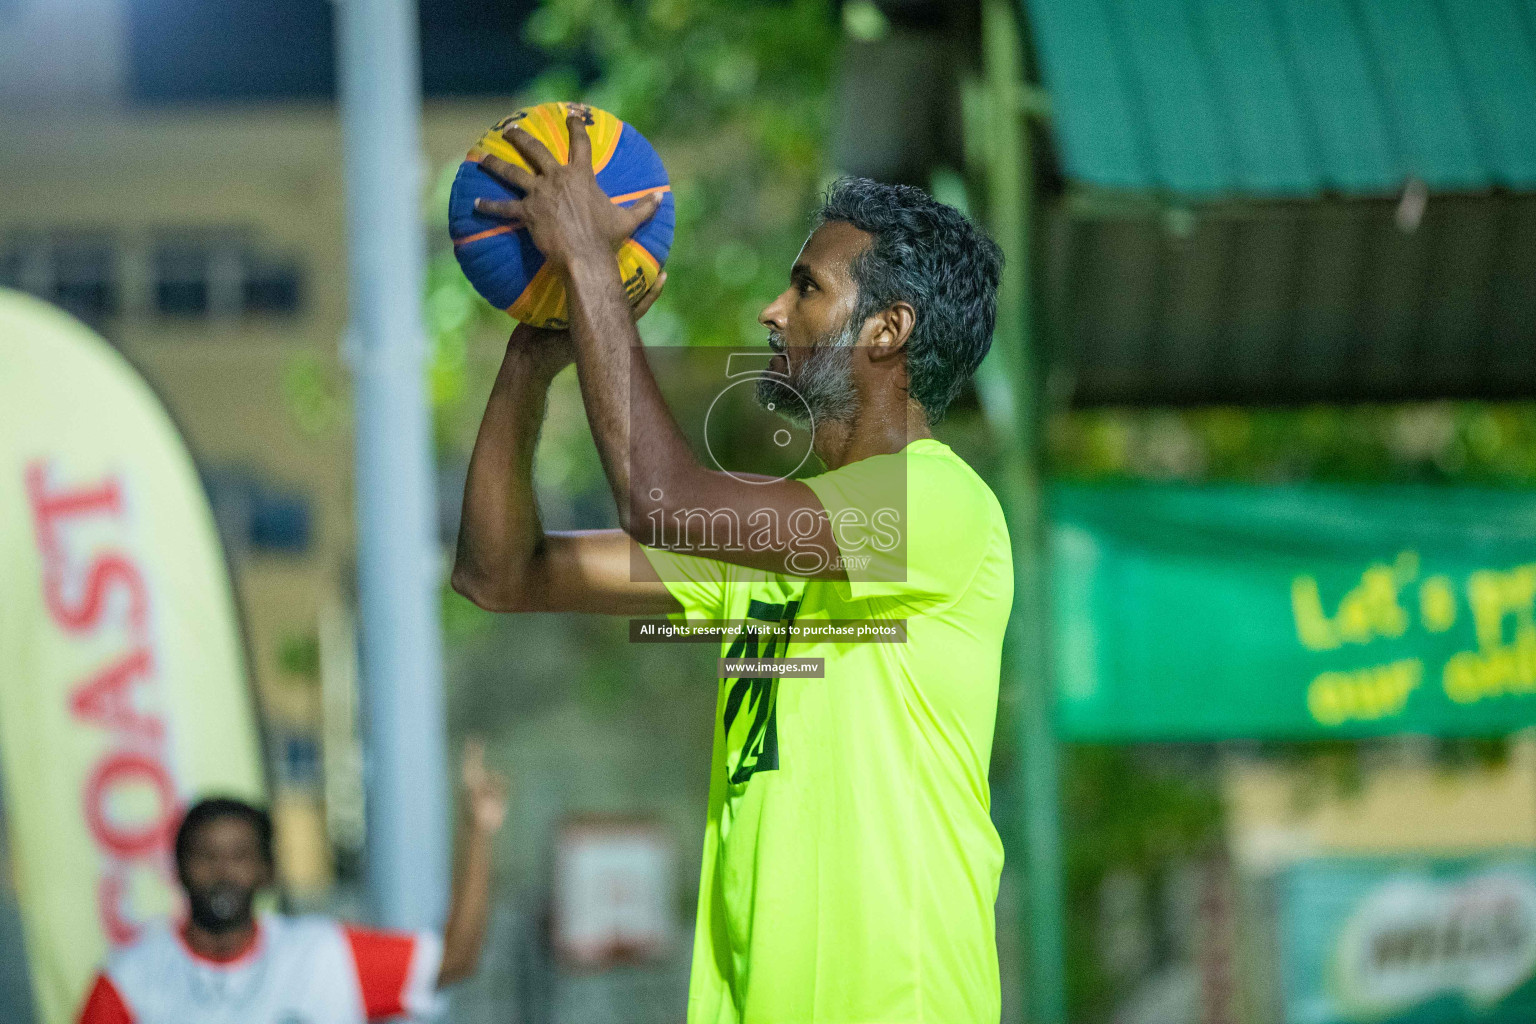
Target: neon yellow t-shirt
[[850, 861]]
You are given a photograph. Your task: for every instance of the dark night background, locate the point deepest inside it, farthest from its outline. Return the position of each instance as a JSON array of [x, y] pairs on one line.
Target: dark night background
[[184, 50]]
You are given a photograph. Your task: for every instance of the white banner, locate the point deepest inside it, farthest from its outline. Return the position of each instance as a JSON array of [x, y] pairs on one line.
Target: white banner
[[123, 690]]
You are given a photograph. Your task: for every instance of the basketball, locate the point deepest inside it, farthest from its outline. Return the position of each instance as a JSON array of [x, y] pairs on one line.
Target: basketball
[[502, 262]]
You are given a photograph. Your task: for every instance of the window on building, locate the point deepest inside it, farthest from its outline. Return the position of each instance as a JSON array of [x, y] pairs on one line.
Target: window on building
[[200, 273], [280, 523], [222, 272], [273, 286], [255, 516], [74, 270], [181, 283], [85, 278]]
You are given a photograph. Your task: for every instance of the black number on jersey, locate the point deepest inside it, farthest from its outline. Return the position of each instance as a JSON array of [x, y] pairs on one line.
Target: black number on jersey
[[759, 696]]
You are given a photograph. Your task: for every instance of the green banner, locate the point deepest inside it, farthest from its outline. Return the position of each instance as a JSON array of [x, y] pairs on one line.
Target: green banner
[[1441, 941], [1199, 613]]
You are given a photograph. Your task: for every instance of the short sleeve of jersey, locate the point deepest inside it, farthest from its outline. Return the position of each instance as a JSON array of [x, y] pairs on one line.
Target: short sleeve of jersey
[[912, 526], [396, 971], [698, 583], [105, 1005]]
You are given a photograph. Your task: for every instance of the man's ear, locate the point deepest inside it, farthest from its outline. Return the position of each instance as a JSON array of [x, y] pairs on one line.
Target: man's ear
[[890, 329]]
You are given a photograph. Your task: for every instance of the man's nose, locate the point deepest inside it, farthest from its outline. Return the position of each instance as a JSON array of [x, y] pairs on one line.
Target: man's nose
[[226, 870], [772, 316]]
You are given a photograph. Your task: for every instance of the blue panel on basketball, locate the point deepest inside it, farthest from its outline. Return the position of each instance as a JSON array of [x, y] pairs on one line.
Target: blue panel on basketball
[[634, 169], [498, 263], [504, 265]]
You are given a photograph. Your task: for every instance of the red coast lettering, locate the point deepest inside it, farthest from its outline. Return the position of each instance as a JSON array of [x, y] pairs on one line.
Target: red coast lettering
[[77, 591]]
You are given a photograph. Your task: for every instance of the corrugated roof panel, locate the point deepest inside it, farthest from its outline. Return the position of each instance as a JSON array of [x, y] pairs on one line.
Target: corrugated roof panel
[[1255, 98], [1425, 104], [1502, 89], [1093, 96], [1189, 151], [1255, 87], [1354, 153]]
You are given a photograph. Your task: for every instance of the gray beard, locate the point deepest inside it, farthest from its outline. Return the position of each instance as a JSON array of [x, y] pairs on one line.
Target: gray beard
[[824, 385]]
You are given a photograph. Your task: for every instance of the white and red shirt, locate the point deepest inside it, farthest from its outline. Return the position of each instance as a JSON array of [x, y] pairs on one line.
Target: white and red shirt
[[297, 970]]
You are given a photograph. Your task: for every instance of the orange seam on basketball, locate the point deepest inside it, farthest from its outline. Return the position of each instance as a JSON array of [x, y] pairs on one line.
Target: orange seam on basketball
[[557, 133], [527, 302], [483, 234], [642, 253], [613, 146], [626, 197], [521, 307], [539, 289]]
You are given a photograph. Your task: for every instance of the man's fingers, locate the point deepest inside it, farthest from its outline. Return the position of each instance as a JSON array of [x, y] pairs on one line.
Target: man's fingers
[[510, 175], [581, 142], [535, 152], [503, 209], [651, 295], [643, 210]]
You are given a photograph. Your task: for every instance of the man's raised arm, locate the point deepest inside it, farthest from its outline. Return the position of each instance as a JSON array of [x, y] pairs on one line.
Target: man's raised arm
[[505, 561], [657, 477]]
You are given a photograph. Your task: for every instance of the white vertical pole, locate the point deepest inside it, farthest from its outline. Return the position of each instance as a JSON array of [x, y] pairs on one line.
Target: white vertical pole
[[402, 693]]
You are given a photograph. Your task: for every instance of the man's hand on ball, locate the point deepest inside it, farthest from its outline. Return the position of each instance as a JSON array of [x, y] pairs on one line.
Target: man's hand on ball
[[552, 350], [651, 295], [564, 209]]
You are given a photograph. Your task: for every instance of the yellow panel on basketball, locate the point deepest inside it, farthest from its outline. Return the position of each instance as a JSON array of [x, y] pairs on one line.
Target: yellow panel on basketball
[[546, 122]]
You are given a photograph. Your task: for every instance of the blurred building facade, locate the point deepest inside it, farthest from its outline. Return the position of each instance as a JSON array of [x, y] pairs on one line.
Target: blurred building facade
[[192, 210], [208, 244], [209, 247]]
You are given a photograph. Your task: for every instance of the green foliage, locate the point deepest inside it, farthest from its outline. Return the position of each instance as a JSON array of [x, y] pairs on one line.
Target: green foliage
[[1466, 443]]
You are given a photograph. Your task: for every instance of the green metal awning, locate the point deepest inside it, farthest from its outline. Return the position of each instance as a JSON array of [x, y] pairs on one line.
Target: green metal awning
[[1214, 99]]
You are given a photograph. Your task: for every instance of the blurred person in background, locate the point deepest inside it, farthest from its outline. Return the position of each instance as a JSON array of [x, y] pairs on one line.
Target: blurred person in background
[[227, 964], [850, 865]]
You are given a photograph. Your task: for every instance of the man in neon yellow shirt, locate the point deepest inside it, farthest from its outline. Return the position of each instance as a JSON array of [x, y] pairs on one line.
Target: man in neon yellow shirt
[[850, 862]]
